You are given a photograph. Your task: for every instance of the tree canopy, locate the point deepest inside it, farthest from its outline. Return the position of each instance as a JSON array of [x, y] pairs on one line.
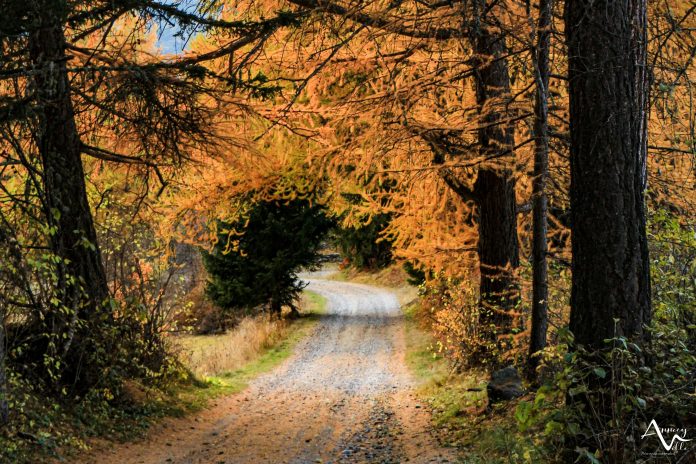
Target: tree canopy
[[531, 163]]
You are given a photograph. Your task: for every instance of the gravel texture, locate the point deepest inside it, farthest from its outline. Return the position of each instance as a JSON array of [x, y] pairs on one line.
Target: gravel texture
[[344, 396]]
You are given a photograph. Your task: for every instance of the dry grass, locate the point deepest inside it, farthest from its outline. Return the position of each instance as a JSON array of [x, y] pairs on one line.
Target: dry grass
[[210, 355], [392, 276], [246, 343]]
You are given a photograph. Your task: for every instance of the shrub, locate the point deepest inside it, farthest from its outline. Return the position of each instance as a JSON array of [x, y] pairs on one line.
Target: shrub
[[256, 258]]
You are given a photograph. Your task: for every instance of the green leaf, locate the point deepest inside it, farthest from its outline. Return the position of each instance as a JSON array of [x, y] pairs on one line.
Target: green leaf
[[589, 455], [600, 372], [523, 415]]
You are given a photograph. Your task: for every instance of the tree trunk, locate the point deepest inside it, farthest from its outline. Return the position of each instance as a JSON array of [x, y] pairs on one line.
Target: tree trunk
[[276, 308], [495, 184], [4, 410], [66, 205], [608, 144], [608, 113], [540, 290], [82, 285]]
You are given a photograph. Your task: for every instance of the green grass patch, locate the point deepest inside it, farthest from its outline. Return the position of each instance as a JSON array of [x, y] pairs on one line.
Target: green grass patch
[[422, 356], [313, 304], [196, 396], [237, 380], [453, 396], [458, 401]]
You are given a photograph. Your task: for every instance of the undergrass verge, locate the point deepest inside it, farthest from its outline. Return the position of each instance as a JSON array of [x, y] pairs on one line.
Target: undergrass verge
[[268, 354], [265, 359], [54, 432], [392, 276], [459, 404]]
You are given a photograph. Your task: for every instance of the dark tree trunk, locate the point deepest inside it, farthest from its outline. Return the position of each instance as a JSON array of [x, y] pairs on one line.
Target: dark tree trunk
[[4, 410], [82, 285], [495, 184], [276, 308], [66, 205], [611, 278], [498, 248], [540, 290], [608, 110]]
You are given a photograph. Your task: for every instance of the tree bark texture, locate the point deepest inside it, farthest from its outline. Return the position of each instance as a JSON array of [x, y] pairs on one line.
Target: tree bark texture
[[4, 409], [495, 185], [608, 88], [66, 204], [73, 331], [610, 296], [540, 287]]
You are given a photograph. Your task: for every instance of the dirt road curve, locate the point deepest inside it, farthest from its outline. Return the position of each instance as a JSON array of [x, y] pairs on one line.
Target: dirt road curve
[[344, 396]]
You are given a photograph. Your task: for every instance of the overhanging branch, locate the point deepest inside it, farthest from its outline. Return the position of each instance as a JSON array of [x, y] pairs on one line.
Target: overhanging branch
[[385, 23], [106, 155]]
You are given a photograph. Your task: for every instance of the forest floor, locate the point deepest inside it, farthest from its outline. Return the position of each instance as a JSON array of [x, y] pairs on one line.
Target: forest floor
[[345, 395]]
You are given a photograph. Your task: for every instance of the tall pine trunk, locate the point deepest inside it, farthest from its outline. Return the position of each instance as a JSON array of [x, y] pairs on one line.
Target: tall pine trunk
[[611, 279], [495, 185], [82, 285], [4, 408], [608, 115], [540, 287]]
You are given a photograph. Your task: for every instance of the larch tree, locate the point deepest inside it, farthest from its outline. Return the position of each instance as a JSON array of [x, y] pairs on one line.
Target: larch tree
[[80, 79], [494, 189], [608, 85], [4, 406], [492, 192], [540, 286], [66, 207]]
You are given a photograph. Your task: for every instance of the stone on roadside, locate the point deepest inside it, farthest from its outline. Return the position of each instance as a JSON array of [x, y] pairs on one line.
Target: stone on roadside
[[505, 385]]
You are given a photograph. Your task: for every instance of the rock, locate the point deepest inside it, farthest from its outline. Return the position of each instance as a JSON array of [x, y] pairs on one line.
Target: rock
[[505, 385]]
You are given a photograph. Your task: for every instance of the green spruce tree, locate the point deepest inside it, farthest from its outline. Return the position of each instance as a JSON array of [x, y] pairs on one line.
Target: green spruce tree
[[256, 265]]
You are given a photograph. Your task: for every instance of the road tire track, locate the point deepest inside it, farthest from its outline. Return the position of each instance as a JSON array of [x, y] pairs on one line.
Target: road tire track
[[344, 396]]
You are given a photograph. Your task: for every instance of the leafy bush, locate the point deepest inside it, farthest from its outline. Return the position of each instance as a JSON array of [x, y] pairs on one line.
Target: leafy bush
[[613, 394], [591, 406], [456, 315], [124, 345]]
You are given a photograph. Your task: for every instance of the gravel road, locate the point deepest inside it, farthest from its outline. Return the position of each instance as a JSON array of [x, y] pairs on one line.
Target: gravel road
[[344, 396]]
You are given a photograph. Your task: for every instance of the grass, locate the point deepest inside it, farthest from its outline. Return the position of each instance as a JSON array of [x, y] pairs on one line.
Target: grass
[[458, 401], [221, 365], [392, 276], [212, 355], [227, 363], [452, 395], [218, 365], [313, 303]]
